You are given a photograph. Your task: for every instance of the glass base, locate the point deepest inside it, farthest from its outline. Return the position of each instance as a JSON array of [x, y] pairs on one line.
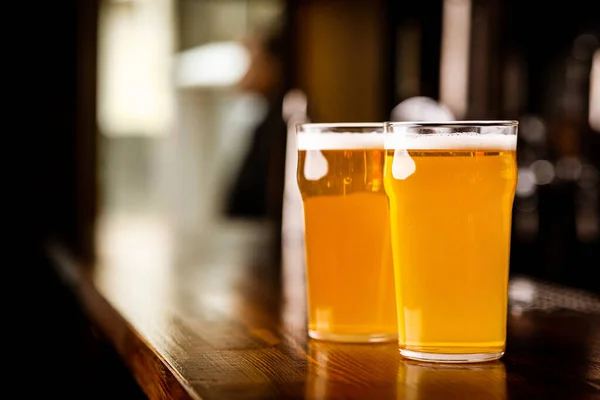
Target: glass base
[[450, 358], [344, 338]]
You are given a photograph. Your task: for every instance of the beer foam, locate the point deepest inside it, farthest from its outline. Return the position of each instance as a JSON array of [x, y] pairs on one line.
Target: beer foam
[[340, 141], [450, 141]]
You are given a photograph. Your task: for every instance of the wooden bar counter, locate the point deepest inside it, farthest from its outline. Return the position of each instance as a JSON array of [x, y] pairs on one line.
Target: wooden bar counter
[[209, 317]]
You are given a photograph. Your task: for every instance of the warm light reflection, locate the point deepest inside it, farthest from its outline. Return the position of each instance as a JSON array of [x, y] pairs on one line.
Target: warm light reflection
[[595, 93], [135, 258], [378, 372], [136, 43], [454, 63], [372, 370], [439, 381]]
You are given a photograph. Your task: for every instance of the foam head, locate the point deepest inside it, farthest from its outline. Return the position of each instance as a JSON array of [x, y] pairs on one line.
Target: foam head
[[450, 141], [340, 141]]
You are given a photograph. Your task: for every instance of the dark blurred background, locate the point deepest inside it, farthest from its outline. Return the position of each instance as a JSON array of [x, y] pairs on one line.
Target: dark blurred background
[[181, 109]]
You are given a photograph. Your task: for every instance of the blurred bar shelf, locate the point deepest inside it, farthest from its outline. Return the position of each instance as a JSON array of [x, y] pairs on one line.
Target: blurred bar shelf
[[208, 317]]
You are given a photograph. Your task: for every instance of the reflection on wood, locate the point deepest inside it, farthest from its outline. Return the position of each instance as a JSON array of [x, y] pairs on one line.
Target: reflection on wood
[[208, 317]]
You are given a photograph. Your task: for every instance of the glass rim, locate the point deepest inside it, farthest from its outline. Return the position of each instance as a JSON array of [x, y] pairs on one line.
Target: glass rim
[[453, 124], [325, 125]]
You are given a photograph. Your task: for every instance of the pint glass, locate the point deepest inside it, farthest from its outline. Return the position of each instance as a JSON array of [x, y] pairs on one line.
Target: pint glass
[[451, 188], [349, 272]]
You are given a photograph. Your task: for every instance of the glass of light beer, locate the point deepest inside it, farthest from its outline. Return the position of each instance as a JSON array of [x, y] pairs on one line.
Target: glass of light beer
[[451, 188], [349, 272]]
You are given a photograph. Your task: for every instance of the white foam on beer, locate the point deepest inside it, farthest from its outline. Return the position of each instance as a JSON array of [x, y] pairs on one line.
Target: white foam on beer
[[404, 166], [450, 141], [340, 141]]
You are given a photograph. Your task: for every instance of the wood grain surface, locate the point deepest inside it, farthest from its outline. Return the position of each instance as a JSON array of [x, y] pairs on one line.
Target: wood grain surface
[[208, 317]]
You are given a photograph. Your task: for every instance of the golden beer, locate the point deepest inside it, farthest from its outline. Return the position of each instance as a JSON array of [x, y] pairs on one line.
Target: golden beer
[[349, 270], [451, 202]]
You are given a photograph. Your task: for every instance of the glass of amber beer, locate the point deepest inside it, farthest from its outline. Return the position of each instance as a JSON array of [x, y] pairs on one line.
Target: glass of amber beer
[[349, 272], [451, 188]]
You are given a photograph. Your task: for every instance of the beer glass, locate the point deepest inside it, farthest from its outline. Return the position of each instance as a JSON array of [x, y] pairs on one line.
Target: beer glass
[[451, 188], [349, 272]]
